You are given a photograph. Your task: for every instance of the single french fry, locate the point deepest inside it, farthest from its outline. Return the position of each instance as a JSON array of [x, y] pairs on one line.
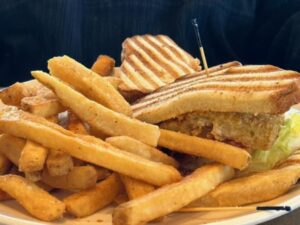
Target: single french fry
[[5, 164], [104, 65], [33, 157], [114, 81], [75, 124], [11, 147], [86, 148], [87, 202], [214, 150], [102, 118], [251, 189], [138, 148], [16, 92], [88, 83], [80, 178], [35, 200], [33, 176], [42, 106], [173, 197], [135, 188], [59, 163]]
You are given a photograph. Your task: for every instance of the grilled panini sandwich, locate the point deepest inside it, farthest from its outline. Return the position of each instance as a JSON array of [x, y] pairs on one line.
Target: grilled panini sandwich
[[150, 62], [242, 105]]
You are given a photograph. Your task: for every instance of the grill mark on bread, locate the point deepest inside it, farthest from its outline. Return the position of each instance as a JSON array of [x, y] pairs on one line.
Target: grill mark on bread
[[271, 76], [168, 55]]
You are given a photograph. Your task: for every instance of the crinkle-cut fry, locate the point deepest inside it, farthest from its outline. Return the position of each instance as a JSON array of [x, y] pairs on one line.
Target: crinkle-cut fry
[[109, 122], [16, 92], [258, 187], [220, 152], [88, 83], [87, 202], [5, 164], [104, 65], [173, 197], [135, 188], [11, 147], [80, 178], [59, 163], [33, 157], [42, 106], [138, 148], [86, 148], [35, 200]]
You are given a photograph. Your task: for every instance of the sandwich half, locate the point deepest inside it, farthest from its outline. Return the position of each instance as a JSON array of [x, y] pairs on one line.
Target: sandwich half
[[243, 106]]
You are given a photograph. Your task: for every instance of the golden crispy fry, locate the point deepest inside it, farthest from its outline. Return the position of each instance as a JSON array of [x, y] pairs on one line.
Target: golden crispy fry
[[80, 178], [88, 83], [254, 188], [138, 148], [15, 93], [59, 163], [104, 65], [114, 81], [102, 173], [214, 150], [86, 148], [105, 120], [33, 176], [75, 124], [11, 147], [35, 200], [135, 188], [33, 157], [42, 106], [171, 197], [4, 164], [87, 202]]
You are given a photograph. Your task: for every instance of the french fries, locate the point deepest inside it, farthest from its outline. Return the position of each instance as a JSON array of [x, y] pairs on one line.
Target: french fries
[[105, 120], [254, 188], [80, 178], [135, 188], [11, 147], [86, 148], [35, 200], [171, 198], [114, 81], [138, 148], [59, 163], [87, 202], [75, 124], [15, 93], [33, 157], [4, 164], [214, 150], [104, 65], [42, 106], [88, 83]]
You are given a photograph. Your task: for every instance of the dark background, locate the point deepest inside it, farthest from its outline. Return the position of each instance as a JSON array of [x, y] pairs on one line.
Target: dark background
[[251, 31]]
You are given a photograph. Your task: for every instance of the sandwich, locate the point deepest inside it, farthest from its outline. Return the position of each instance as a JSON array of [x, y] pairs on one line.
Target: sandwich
[[150, 62], [243, 106]]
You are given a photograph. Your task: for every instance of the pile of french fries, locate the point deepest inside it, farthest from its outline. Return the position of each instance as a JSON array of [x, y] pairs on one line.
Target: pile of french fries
[[73, 131]]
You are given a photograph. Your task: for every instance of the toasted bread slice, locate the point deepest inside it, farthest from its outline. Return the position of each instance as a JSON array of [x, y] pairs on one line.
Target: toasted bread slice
[[260, 92], [150, 62]]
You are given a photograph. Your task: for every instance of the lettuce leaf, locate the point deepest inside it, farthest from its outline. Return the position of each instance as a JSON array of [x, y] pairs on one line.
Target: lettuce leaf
[[287, 142]]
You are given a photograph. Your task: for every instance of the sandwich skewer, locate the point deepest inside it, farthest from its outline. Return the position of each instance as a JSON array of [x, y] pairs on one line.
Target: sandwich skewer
[[202, 53], [243, 208]]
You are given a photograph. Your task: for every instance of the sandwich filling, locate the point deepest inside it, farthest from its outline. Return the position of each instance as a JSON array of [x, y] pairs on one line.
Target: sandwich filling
[[243, 129]]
